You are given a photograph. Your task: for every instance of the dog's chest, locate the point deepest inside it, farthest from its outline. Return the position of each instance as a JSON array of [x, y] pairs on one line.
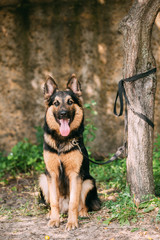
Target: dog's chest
[[71, 161], [70, 164]]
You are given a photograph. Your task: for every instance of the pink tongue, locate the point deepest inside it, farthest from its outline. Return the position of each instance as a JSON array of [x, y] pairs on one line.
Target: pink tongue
[[64, 128]]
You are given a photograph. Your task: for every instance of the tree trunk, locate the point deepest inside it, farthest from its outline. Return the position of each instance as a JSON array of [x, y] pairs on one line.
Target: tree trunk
[[138, 58]]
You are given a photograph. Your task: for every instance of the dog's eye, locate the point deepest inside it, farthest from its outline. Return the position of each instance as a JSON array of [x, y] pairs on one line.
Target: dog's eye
[[56, 103], [70, 102]]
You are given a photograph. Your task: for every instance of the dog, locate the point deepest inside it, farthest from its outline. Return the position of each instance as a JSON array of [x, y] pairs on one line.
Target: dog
[[67, 185]]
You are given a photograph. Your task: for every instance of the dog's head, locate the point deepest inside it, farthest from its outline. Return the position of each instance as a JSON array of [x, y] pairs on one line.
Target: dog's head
[[64, 108]]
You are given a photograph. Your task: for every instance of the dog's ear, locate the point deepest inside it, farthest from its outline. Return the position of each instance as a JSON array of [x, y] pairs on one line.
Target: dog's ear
[[74, 85], [50, 86]]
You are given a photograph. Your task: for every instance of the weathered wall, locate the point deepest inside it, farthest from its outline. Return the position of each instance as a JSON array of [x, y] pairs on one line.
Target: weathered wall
[[41, 37]]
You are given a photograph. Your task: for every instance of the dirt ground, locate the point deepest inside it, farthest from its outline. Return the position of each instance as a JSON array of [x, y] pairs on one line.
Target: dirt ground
[[22, 219]]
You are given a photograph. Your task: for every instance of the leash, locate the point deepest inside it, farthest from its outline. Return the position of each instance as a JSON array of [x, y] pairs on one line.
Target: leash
[[120, 93], [114, 157]]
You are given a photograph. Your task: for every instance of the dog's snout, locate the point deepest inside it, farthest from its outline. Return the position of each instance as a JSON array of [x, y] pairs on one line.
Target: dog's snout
[[63, 113]]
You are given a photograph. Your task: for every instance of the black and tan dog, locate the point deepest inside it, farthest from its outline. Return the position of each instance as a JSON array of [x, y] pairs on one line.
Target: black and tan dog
[[67, 184]]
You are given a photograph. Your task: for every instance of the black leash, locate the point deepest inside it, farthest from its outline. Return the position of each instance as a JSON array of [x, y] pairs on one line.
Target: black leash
[[114, 157], [120, 93]]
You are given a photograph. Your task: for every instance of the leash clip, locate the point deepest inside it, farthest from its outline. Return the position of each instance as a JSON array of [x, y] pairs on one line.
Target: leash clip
[[74, 142]]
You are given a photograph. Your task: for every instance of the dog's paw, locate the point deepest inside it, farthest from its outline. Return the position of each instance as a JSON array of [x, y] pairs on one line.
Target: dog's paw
[[48, 215], [53, 223], [71, 226], [83, 213]]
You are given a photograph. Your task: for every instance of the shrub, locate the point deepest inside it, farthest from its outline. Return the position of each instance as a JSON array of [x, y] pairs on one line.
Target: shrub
[[24, 157]]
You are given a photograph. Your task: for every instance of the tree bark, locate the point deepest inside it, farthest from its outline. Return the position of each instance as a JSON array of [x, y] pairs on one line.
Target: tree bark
[[137, 29]]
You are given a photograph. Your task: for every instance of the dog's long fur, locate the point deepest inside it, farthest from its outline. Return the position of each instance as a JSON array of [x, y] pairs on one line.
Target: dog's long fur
[[67, 184]]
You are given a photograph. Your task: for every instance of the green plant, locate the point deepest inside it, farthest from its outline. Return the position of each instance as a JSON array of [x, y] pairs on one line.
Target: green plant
[[158, 216], [3, 164], [124, 209], [134, 229], [23, 157], [113, 174], [150, 205], [156, 165]]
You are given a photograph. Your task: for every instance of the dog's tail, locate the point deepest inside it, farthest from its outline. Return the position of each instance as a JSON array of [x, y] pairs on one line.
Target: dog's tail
[[92, 200]]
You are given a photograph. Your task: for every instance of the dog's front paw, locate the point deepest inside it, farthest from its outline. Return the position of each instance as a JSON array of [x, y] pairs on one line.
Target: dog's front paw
[[83, 213], [53, 223], [71, 225]]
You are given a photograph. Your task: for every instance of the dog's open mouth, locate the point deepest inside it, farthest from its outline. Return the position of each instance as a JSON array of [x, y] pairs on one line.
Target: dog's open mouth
[[64, 127]]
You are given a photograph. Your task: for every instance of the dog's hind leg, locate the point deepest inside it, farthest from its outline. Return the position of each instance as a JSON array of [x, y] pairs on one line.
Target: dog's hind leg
[[92, 201], [43, 183], [87, 185]]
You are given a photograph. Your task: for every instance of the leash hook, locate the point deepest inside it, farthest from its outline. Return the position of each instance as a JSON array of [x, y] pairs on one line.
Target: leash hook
[[75, 143]]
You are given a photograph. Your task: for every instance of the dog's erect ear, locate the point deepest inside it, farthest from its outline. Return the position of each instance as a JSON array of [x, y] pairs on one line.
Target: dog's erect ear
[[49, 87], [74, 85]]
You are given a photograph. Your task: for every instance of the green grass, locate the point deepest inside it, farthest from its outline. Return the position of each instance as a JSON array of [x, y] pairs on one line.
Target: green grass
[[24, 209]]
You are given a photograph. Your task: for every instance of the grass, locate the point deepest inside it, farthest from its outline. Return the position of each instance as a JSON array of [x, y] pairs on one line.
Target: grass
[[24, 209]]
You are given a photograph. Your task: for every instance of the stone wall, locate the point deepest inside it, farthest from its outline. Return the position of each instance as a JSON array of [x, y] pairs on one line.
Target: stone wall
[[41, 37]]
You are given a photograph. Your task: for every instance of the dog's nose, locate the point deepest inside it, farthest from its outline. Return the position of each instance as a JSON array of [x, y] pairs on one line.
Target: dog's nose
[[63, 114]]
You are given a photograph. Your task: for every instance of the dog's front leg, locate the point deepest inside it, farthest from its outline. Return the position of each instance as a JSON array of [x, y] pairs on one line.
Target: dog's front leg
[[54, 201], [75, 190]]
